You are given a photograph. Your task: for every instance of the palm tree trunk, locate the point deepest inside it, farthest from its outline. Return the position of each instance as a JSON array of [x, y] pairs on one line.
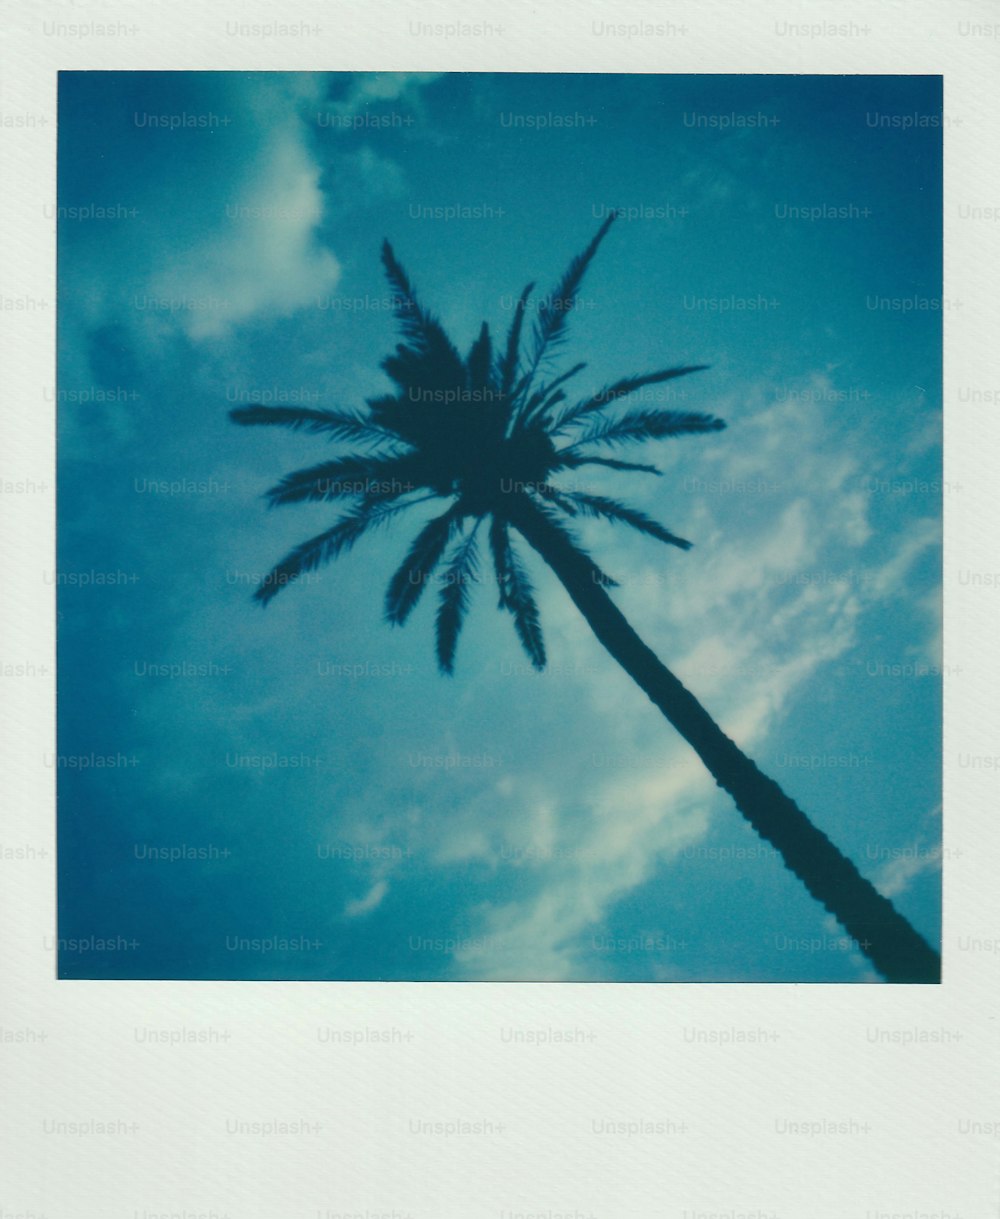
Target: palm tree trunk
[[890, 942]]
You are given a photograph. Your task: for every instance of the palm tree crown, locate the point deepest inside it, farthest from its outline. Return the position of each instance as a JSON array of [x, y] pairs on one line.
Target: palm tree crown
[[487, 433]]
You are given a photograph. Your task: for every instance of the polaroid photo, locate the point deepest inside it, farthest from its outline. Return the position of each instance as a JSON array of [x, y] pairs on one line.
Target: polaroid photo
[[479, 505]]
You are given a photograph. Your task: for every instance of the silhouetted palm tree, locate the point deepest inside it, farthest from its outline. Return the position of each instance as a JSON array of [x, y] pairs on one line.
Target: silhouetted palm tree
[[487, 434]]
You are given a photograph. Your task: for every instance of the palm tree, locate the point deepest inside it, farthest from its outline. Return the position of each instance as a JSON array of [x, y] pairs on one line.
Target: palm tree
[[486, 434]]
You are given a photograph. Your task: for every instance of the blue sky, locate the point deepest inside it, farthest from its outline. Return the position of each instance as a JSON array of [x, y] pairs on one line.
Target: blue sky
[[304, 796]]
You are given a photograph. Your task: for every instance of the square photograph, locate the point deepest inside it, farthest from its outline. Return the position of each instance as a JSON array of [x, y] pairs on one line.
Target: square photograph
[[499, 527]]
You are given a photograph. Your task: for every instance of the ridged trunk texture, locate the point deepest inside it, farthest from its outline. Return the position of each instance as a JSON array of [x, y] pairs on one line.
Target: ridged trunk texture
[[896, 950]]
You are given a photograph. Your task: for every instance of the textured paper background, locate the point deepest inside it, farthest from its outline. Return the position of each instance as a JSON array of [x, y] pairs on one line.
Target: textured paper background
[[923, 1120]]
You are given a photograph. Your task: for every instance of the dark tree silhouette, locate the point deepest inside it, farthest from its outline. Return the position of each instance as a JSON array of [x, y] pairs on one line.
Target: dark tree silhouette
[[487, 434]]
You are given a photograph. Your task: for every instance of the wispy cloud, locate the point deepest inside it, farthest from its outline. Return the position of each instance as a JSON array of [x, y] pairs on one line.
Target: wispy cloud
[[367, 88], [904, 864], [371, 900]]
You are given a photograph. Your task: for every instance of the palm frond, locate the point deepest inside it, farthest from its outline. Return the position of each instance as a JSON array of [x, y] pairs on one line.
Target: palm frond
[[612, 510], [553, 313], [385, 477], [548, 396], [407, 584], [342, 425], [529, 415], [516, 593], [646, 425], [560, 498], [462, 569], [417, 372], [393, 413], [309, 555], [508, 366], [572, 461], [421, 328], [479, 361], [620, 389]]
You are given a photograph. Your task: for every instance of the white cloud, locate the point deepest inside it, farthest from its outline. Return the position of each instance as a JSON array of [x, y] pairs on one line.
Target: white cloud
[[904, 864], [535, 939], [899, 873], [362, 177], [368, 87], [890, 577], [371, 900], [263, 255]]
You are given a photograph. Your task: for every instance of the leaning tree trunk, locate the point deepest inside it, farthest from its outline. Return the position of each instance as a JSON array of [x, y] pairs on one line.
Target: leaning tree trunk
[[889, 941]]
